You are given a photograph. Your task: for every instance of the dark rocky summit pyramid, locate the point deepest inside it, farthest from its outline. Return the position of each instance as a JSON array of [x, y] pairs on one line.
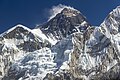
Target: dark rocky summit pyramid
[[66, 22], [67, 47]]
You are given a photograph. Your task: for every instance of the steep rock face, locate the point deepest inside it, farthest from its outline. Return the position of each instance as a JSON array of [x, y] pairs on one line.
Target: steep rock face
[[16, 42], [70, 57], [23, 38], [65, 23], [100, 58], [96, 55], [70, 49], [110, 28], [59, 61]]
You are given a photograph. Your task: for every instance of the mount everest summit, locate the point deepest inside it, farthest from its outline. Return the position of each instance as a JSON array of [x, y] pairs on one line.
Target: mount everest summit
[[66, 47]]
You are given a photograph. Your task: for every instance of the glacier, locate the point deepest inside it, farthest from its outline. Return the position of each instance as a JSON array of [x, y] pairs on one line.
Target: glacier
[[66, 47]]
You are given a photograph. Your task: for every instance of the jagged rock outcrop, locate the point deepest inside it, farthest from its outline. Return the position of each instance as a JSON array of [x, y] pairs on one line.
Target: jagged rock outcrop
[[16, 42], [65, 23], [67, 47], [96, 56]]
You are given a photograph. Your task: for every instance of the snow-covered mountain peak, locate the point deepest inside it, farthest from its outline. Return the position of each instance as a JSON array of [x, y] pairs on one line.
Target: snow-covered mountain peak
[[111, 24], [66, 47], [68, 21], [116, 11], [19, 26], [22, 26]]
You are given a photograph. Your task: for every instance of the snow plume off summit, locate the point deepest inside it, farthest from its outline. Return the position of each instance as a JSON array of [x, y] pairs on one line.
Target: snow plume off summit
[[66, 47]]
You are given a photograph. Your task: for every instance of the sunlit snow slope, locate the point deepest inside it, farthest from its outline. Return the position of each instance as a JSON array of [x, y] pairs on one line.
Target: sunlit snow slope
[[66, 47]]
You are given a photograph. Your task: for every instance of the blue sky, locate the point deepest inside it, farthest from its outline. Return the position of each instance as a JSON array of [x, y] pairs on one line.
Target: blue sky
[[32, 12]]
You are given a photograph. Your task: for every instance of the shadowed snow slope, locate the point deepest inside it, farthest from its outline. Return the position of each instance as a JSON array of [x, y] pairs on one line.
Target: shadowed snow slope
[[66, 47]]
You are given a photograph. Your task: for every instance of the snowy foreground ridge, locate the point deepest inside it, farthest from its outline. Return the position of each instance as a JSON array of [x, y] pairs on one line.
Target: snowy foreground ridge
[[66, 47]]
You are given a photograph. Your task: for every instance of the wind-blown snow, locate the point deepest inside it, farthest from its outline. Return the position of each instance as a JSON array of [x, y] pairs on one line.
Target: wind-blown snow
[[88, 54], [57, 9]]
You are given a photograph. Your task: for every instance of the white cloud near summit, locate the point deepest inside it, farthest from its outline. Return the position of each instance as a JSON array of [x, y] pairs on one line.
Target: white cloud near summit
[[57, 9]]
